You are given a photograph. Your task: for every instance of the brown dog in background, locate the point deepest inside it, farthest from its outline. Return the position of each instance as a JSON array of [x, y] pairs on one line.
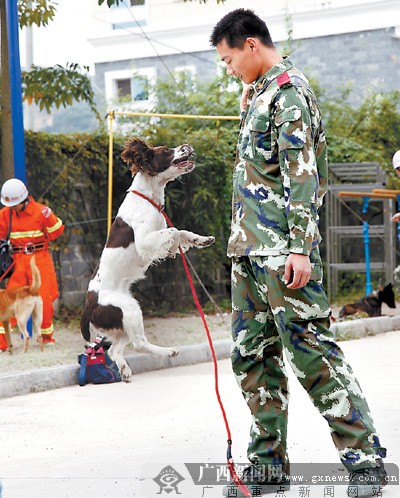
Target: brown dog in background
[[21, 303]]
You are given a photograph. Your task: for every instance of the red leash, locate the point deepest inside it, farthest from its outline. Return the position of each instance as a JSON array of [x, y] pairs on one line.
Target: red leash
[[8, 269], [231, 464]]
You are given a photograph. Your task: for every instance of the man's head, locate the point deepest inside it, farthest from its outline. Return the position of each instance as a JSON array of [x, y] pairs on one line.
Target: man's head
[[243, 42], [396, 162], [237, 26], [14, 194]]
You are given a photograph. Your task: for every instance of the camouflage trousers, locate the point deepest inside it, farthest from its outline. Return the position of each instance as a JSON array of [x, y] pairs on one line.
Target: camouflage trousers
[[269, 319]]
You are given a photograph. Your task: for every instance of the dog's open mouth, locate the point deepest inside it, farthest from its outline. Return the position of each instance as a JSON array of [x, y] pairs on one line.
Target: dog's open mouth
[[186, 161], [185, 165]]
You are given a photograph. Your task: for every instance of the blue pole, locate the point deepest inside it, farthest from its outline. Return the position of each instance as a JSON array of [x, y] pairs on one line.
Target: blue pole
[[16, 90], [368, 284], [17, 115]]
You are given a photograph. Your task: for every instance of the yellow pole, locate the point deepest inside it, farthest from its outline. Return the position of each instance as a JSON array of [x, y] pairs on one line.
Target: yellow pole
[[367, 194], [110, 172], [384, 190], [176, 116]]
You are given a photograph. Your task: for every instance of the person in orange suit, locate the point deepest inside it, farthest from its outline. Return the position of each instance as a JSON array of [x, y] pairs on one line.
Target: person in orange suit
[[33, 226]]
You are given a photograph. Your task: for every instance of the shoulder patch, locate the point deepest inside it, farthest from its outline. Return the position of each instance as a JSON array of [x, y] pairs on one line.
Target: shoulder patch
[[283, 79], [46, 212]]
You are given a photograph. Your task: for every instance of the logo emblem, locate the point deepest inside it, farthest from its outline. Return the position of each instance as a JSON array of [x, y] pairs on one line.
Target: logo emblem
[[168, 480]]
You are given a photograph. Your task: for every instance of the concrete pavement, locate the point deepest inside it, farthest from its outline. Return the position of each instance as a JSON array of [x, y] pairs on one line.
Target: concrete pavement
[[125, 440]]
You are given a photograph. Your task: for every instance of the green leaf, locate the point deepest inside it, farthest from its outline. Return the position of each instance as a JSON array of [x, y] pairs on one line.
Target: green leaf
[[59, 86], [38, 12]]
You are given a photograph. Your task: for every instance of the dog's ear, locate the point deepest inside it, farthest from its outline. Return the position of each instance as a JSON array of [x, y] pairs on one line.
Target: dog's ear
[[387, 288], [139, 156]]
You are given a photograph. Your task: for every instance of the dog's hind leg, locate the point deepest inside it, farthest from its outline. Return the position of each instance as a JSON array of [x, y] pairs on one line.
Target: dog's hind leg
[[37, 318], [7, 330], [142, 345], [116, 353], [22, 320], [134, 327]]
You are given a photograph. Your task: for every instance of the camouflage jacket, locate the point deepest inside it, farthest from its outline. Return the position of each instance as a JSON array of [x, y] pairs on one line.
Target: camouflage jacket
[[280, 174]]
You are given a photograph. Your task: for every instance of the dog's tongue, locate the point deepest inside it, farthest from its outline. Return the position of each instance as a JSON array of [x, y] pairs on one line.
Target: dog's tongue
[[182, 164]]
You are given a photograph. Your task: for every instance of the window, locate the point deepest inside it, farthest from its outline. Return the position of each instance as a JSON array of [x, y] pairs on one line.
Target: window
[[130, 85], [140, 88], [123, 88], [129, 14]]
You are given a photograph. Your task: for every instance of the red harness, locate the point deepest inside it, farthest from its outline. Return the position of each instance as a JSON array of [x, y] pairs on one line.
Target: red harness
[[231, 464]]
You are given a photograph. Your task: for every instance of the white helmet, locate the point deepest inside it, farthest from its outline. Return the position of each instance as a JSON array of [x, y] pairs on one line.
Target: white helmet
[[13, 192], [396, 160]]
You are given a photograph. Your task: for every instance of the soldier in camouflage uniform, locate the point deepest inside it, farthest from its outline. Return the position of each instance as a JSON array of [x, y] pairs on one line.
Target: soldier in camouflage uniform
[[278, 300]]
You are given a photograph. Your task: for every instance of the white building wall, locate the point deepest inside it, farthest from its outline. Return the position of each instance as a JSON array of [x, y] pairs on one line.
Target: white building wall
[[173, 26]]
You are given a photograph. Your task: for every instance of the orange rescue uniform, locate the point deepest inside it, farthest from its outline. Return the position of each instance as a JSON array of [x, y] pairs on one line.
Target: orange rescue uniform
[[31, 231]]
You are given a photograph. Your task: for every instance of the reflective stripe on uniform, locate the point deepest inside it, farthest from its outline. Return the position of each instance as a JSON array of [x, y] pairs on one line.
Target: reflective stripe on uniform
[[23, 235], [48, 330], [55, 227]]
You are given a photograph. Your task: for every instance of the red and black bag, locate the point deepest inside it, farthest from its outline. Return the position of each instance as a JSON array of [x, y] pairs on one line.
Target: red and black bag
[[97, 367]]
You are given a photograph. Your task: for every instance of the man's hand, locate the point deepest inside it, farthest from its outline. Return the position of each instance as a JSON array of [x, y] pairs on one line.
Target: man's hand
[[245, 94], [297, 271]]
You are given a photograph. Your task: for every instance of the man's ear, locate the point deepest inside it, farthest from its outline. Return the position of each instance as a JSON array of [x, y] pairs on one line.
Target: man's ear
[[251, 43]]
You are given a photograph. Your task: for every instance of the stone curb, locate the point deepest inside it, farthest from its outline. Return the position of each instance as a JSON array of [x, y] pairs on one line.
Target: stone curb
[[67, 375], [363, 327]]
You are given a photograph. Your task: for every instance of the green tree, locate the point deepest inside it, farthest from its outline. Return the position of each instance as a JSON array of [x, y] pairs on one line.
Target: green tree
[[367, 133], [58, 86], [46, 87], [40, 13]]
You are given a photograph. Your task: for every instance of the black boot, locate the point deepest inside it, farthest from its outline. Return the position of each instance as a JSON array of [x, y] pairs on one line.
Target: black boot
[[367, 482]]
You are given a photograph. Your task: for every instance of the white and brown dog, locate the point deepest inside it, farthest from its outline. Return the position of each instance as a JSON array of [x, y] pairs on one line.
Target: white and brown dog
[[21, 303], [138, 238]]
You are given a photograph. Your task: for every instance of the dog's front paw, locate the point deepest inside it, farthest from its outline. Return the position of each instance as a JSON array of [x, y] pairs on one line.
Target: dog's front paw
[[205, 241]]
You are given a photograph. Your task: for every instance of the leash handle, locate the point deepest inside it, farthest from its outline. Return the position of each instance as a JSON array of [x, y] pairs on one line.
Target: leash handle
[[231, 464]]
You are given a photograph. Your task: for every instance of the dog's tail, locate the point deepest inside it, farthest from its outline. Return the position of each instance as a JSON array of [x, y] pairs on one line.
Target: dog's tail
[[85, 326], [90, 305], [36, 280]]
